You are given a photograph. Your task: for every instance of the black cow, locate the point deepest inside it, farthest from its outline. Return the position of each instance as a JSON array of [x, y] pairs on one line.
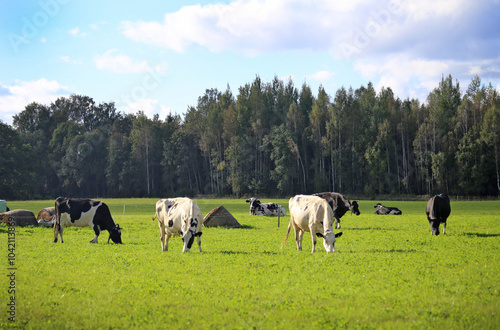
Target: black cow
[[339, 204], [438, 210], [380, 209], [82, 213]]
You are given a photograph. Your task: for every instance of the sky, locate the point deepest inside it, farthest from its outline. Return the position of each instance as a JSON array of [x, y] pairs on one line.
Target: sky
[[160, 56]]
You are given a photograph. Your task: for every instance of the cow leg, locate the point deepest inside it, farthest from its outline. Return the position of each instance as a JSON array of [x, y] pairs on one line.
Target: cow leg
[[337, 226], [165, 242], [96, 231], [444, 227], [313, 237], [162, 234], [58, 229], [199, 243], [298, 237]]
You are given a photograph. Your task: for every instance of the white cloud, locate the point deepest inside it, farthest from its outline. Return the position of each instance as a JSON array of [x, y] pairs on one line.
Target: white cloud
[[67, 59], [150, 107], [14, 98], [75, 32], [429, 28], [407, 77], [113, 61], [321, 76]]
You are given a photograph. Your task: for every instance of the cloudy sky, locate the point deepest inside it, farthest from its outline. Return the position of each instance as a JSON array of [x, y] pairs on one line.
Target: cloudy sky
[[160, 56]]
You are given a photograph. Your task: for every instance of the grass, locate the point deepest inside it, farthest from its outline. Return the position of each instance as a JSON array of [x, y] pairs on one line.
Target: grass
[[389, 273]]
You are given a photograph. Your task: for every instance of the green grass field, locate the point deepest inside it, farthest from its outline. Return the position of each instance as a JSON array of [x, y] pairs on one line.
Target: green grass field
[[389, 272]]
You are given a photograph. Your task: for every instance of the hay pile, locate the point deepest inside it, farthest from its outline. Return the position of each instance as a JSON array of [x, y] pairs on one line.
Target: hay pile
[[20, 217], [220, 217]]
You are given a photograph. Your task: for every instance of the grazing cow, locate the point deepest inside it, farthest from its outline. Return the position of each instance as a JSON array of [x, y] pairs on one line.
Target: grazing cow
[[438, 210], [47, 217], [314, 215], [380, 209], [85, 212], [339, 204], [179, 217], [258, 208]]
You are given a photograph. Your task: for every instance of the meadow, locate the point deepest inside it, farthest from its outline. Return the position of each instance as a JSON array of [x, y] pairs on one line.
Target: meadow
[[389, 272]]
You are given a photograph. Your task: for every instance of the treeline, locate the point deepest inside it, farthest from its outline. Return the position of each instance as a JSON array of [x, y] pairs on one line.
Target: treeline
[[270, 139]]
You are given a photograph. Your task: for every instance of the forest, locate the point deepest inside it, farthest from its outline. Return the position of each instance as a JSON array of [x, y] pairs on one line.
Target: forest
[[270, 139]]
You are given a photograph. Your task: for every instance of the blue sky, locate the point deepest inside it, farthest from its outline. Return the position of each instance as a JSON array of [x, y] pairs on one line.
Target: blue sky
[[160, 56]]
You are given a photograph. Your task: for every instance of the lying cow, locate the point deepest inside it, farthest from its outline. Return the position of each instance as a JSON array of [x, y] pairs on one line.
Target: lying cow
[[314, 215], [339, 204], [380, 209], [438, 210], [46, 217], [258, 208], [82, 213], [179, 217]]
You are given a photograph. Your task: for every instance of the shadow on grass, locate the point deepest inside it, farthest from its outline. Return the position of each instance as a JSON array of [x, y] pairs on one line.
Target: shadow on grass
[[376, 228], [387, 251], [482, 235]]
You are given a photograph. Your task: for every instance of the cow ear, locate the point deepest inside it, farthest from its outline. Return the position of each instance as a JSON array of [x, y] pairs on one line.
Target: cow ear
[[338, 235], [320, 235], [248, 201], [198, 234]]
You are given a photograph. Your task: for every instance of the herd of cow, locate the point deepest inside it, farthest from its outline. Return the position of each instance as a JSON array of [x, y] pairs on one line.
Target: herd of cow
[[315, 214]]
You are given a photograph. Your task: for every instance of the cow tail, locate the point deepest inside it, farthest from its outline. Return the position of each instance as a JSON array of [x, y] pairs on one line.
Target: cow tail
[[156, 215], [288, 232]]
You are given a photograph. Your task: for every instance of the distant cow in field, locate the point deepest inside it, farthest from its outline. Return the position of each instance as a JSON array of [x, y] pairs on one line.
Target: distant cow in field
[[311, 214], [179, 217], [46, 217], [380, 209], [258, 208], [438, 210], [82, 213], [339, 204]]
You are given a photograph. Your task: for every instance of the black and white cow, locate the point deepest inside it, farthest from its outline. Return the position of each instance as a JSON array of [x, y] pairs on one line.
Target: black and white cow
[[339, 204], [380, 209], [311, 214], [258, 208], [438, 210], [82, 213], [179, 217]]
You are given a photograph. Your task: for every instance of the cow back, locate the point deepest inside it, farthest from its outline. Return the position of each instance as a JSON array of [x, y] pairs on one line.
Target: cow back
[[338, 203], [438, 207]]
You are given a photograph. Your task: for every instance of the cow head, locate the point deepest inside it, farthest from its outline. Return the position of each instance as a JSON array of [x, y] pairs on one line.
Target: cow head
[[115, 234], [434, 226], [329, 240], [254, 205], [354, 207], [189, 235]]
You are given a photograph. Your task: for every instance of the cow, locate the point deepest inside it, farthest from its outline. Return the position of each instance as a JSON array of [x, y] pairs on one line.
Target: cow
[[47, 217], [380, 209], [438, 210], [85, 212], [258, 208], [314, 215], [339, 204], [179, 217]]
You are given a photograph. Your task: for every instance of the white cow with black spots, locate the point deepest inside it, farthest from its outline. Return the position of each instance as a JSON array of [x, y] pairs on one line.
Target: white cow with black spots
[[258, 208], [179, 217]]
